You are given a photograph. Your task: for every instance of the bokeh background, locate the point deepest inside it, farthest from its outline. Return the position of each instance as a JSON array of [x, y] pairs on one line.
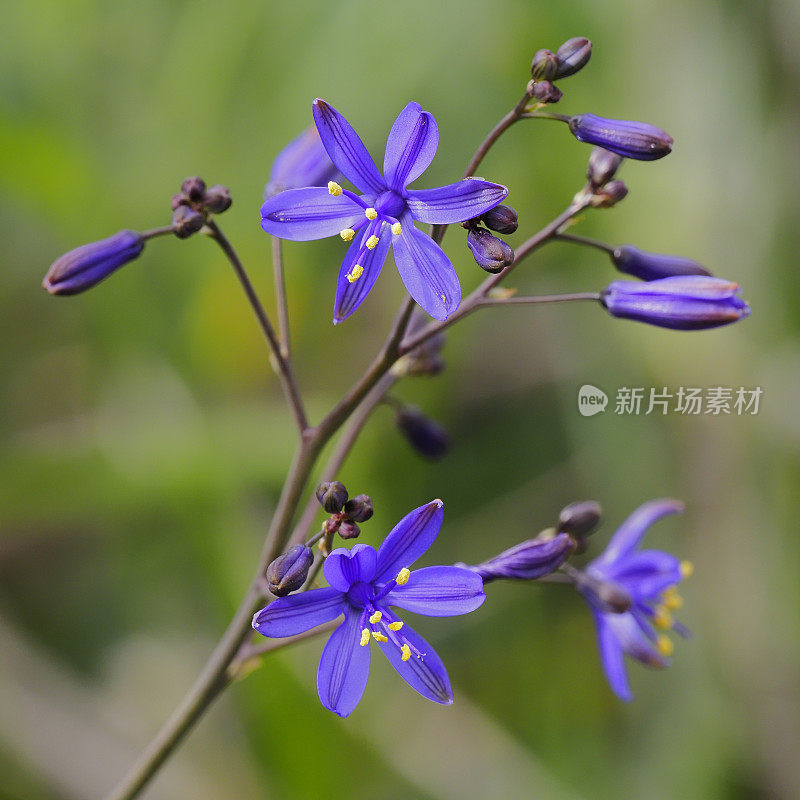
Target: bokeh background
[[144, 438]]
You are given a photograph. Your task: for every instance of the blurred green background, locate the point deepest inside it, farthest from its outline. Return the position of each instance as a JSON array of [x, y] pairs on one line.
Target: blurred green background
[[144, 438]]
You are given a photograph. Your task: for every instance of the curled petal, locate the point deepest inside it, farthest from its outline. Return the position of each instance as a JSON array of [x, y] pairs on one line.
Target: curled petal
[[343, 568], [612, 658], [439, 592], [410, 147], [408, 540], [343, 668], [298, 613], [305, 214], [351, 292], [456, 202]]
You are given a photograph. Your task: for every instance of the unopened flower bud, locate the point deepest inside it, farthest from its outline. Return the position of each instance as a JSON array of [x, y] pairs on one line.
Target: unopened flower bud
[[579, 519], [573, 55], [425, 435], [358, 508], [528, 560], [349, 530], [194, 188], [85, 266], [609, 195], [638, 140], [186, 221], [179, 200], [546, 92], [332, 496], [653, 266], [501, 219], [303, 162], [491, 254], [544, 65], [288, 572], [217, 199], [603, 166]]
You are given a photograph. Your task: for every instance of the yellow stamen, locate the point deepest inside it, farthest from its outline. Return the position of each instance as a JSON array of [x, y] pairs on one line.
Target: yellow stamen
[[671, 599], [406, 651], [397, 228], [379, 637], [372, 242], [355, 273], [334, 188], [687, 568], [364, 637], [444, 299], [347, 234], [376, 617], [662, 618], [395, 626], [665, 645], [402, 576], [371, 213]]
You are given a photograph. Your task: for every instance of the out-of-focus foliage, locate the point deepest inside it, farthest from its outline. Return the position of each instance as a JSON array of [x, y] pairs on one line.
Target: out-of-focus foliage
[[144, 438]]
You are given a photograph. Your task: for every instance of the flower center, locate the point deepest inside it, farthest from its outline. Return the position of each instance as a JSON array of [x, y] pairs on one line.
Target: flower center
[[390, 204]]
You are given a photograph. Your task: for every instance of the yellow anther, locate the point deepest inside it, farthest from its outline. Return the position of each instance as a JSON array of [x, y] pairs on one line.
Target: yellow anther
[[662, 618], [376, 618], [334, 188], [687, 568], [355, 273], [671, 599], [444, 299], [406, 651], [665, 645], [371, 213], [397, 228], [364, 637], [379, 637], [402, 576], [395, 626], [347, 234], [372, 242]]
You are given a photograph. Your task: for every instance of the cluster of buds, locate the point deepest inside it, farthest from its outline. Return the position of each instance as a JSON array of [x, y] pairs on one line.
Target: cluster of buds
[[491, 253], [193, 204], [548, 66], [345, 511], [606, 191]]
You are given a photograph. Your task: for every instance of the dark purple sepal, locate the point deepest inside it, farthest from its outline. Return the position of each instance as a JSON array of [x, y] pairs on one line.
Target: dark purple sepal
[[653, 266], [637, 140]]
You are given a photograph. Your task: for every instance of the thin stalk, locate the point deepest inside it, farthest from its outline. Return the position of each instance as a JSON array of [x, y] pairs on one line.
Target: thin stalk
[[539, 299], [281, 299], [546, 115], [154, 232], [585, 240]]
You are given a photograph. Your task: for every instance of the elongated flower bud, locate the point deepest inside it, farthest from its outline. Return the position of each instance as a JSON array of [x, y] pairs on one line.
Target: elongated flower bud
[[491, 254], [544, 65], [501, 219], [685, 302], [358, 508], [82, 268], [637, 140], [425, 435], [528, 560], [573, 55], [332, 496], [288, 572], [303, 162], [603, 166], [653, 266]]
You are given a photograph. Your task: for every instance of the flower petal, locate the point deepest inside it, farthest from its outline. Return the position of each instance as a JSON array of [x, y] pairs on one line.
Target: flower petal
[[297, 613], [343, 668], [305, 214], [612, 658], [456, 202], [343, 567], [410, 147], [645, 574], [350, 294], [632, 639], [426, 271], [408, 540], [346, 150], [439, 592], [427, 675]]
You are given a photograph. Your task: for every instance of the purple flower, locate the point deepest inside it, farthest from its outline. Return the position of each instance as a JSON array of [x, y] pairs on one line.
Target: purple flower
[[632, 594], [364, 585], [303, 162], [637, 140], [80, 269], [683, 302], [652, 266], [383, 214], [528, 560]]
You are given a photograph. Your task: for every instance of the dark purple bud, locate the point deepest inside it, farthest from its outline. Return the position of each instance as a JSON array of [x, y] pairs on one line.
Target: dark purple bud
[[527, 561], [501, 219], [544, 65], [358, 508], [603, 166], [303, 162], [491, 253], [186, 221], [194, 188], [637, 140], [425, 435], [332, 496], [609, 195], [349, 530], [546, 92], [573, 55], [579, 519], [653, 266], [217, 199], [82, 268], [288, 572], [683, 302], [179, 200]]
